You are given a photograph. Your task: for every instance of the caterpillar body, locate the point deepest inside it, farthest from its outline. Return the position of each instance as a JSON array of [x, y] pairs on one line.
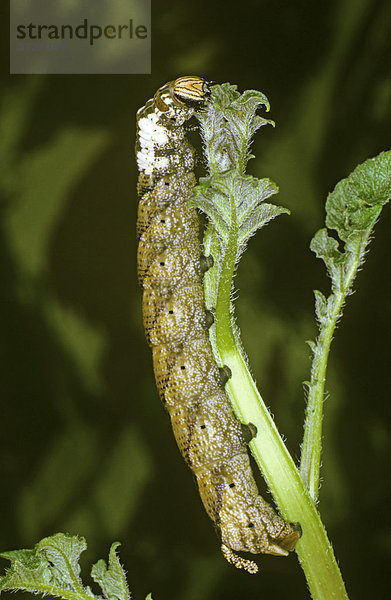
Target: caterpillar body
[[170, 268]]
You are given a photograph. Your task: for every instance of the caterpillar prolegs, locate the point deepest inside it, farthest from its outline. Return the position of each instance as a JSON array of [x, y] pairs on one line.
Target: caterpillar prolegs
[[170, 267]]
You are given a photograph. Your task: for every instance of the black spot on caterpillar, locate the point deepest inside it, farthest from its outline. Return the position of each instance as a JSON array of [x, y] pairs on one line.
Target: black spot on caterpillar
[[225, 374], [190, 383], [249, 432], [206, 262]]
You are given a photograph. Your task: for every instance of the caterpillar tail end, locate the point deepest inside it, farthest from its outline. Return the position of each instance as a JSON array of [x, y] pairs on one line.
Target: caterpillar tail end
[[240, 563]]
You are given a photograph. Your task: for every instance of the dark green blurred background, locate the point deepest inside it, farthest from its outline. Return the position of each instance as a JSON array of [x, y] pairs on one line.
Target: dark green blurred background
[[85, 444]]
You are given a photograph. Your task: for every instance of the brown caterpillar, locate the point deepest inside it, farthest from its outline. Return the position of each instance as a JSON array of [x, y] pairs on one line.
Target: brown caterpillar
[[170, 267]]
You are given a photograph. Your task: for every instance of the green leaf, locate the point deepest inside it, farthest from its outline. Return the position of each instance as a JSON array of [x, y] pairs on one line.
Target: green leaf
[[228, 123], [352, 210], [320, 306], [111, 578], [233, 201], [28, 571], [327, 248], [356, 201], [259, 217], [52, 567], [214, 204], [62, 552]]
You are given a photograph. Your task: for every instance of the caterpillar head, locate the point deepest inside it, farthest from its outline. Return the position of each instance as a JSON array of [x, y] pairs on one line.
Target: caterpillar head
[[191, 90], [178, 99]]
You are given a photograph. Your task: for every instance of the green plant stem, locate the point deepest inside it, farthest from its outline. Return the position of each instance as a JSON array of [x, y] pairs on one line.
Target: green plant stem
[[314, 549], [312, 440]]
